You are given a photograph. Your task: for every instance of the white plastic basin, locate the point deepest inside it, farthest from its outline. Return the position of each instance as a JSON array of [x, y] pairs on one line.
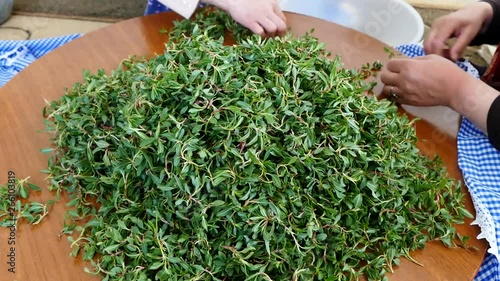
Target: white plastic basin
[[5, 9], [393, 22]]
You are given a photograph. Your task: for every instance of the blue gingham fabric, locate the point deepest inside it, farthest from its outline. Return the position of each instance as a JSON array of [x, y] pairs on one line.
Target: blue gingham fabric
[[480, 165], [154, 7], [15, 55]]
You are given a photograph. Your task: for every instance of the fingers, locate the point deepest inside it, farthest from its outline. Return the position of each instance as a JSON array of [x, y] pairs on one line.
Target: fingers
[[262, 17], [445, 58], [462, 42], [392, 93], [389, 78], [439, 34], [277, 10], [269, 26], [281, 27], [273, 26], [447, 54], [275, 22], [256, 28], [397, 65]]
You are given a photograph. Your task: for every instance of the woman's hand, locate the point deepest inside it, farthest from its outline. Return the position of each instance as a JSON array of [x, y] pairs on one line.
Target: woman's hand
[[263, 17], [433, 80], [424, 81], [463, 25]]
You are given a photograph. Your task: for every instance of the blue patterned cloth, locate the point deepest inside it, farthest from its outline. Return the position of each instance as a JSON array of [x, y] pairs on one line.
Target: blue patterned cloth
[[15, 55], [154, 7], [480, 165]]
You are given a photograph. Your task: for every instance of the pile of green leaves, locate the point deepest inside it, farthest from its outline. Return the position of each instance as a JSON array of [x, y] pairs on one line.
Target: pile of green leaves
[[263, 160]]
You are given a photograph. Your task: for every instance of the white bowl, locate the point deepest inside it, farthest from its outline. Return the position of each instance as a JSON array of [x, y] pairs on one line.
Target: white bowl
[[5, 9], [393, 22]]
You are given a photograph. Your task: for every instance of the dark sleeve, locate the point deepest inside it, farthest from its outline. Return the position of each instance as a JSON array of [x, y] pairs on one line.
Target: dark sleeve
[[493, 123], [492, 34]]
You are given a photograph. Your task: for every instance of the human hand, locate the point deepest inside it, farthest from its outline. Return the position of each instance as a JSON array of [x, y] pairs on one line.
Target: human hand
[[463, 25], [425, 81], [262, 17]]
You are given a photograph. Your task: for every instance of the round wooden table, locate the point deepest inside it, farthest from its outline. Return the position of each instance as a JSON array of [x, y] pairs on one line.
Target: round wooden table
[[41, 255]]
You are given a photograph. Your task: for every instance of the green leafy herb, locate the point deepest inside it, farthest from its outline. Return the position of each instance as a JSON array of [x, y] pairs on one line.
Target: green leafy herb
[[390, 52], [14, 205], [263, 160]]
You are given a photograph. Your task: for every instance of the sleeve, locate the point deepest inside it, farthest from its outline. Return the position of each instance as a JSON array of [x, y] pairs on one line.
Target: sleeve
[[184, 8], [493, 123], [492, 33]]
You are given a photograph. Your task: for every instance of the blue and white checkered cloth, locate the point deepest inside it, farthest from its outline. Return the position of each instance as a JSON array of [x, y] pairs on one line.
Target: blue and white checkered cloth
[[480, 165], [15, 55]]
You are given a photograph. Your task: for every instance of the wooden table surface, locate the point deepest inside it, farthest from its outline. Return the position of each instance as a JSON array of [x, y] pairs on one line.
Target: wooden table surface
[[40, 255]]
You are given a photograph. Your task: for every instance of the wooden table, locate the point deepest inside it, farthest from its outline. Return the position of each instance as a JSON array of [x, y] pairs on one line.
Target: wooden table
[[41, 256]]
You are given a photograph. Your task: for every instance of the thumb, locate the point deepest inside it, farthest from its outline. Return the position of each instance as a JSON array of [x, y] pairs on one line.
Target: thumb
[[439, 34]]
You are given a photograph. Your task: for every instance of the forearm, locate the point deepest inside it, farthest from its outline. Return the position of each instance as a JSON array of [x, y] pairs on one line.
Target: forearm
[[479, 103]]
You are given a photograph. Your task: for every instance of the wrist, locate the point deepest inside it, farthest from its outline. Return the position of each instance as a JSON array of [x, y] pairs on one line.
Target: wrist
[[458, 99], [476, 104], [472, 96]]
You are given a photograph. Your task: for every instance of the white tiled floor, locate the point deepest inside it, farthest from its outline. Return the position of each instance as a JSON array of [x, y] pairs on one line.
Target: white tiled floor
[[17, 26]]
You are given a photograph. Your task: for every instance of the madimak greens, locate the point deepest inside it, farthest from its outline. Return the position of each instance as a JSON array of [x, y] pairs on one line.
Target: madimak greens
[[263, 160]]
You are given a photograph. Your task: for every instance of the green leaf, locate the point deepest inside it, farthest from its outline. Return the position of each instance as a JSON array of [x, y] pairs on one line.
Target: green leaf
[[358, 201], [23, 191], [102, 144], [156, 265], [33, 187], [110, 249], [46, 150]]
